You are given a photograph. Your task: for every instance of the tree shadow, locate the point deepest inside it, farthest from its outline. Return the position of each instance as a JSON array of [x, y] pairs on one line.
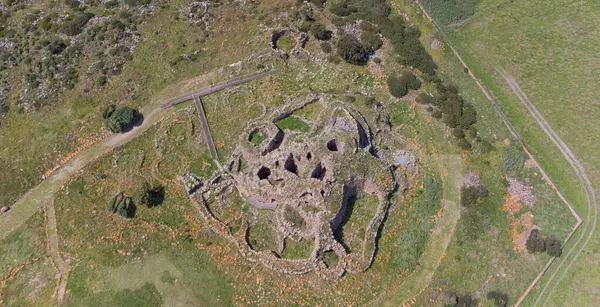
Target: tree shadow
[[157, 196]]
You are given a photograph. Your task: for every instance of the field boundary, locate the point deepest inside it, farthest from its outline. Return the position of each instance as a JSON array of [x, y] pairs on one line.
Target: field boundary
[[523, 145]]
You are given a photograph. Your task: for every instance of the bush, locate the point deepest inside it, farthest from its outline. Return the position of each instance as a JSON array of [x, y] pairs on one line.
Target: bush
[[396, 87], [126, 207], [101, 80], [500, 299], [535, 243], [326, 47], [553, 246], [464, 144], [400, 85], [449, 11], [469, 196], [108, 111], [75, 26], [320, 32], [424, 98], [352, 51], [513, 159], [57, 46], [121, 119], [150, 195], [371, 40]]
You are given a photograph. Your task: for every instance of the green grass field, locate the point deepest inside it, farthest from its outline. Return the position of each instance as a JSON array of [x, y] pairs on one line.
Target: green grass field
[[549, 48], [167, 255]]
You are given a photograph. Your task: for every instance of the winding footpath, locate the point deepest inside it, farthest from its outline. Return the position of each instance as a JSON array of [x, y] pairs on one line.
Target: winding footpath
[[592, 212], [42, 195]]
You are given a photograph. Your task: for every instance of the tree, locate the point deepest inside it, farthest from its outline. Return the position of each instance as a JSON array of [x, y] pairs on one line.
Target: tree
[[108, 111], [150, 195], [142, 196], [535, 243], [396, 87], [352, 51], [320, 31], [399, 85], [126, 208], [553, 246], [500, 299], [469, 196], [513, 159], [121, 119], [371, 40]]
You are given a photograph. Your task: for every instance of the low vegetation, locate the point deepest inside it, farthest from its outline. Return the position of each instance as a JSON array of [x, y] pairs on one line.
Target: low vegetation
[[449, 11]]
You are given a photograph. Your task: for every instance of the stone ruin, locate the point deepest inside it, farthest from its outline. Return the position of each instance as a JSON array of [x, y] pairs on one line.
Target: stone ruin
[[314, 177]]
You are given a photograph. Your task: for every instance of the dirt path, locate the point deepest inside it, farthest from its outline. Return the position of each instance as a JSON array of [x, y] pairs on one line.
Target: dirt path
[[591, 218], [592, 212], [42, 195], [418, 280], [63, 268]]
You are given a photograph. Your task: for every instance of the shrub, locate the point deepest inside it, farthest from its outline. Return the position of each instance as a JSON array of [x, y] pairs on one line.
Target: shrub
[[150, 195], [424, 98], [396, 87], [121, 119], [352, 51], [326, 47], [371, 40], [318, 2], [126, 207], [449, 11], [108, 111], [458, 133], [75, 26], [399, 85], [535, 243], [57, 46], [513, 159], [45, 23], [500, 299], [320, 32], [101, 80], [469, 196], [553, 246], [464, 144]]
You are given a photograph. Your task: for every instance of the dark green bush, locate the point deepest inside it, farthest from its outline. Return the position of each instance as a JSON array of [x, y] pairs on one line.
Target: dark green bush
[[326, 47], [464, 144], [108, 111], [449, 11], [371, 40], [469, 196], [76, 26], [553, 246], [121, 119], [399, 85], [320, 31], [513, 159], [352, 51], [535, 243], [100, 80], [500, 299]]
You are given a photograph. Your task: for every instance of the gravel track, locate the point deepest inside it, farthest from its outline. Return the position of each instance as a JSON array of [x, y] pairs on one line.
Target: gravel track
[[585, 183], [565, 151]]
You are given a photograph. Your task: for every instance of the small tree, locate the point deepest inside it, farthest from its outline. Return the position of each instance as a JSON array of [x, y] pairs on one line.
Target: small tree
[[469, 196], [535, 243], [399, 85], [108, 111], [352, 51], [553, 246], [320, 31], [121, 119], [500, 299]]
